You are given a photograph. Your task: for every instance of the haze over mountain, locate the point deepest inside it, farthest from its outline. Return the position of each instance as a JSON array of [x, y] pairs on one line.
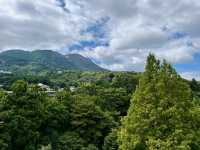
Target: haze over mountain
[[39, 60]]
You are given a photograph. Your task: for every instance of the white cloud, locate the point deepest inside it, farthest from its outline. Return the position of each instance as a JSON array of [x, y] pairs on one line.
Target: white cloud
[[138, 37], [177, 51], [135, 28], [147, 26], [37, 24], [191, 75]]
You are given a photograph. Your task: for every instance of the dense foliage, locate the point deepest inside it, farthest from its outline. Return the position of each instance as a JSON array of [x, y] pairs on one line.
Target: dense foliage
[[85, 110], [162, 114], [83, 119]]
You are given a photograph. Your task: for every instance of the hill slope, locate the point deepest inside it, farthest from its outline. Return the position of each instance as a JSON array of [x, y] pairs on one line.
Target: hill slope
[[82, 63], [35, 61]]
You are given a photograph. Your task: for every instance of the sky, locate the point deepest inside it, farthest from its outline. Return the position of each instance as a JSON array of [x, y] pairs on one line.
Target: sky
[[115, 34]]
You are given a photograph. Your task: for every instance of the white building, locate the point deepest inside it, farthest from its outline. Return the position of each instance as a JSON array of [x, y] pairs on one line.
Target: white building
[[44, 87]]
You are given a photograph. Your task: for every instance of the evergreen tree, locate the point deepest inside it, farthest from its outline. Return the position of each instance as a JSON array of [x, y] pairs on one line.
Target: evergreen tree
[[195, 86], [110, 141], [161, 113]]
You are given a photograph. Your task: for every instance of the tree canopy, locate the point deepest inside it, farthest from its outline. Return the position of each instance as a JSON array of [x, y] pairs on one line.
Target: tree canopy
[[100, 110], [161, 114]]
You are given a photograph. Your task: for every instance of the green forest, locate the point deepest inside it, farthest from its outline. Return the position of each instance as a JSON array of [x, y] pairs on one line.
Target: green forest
[[85, 110]]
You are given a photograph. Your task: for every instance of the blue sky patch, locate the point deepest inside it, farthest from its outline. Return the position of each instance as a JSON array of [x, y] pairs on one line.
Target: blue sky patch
[[62, 4], [178, 35], [87, 44], [97, 30], [190, 66]]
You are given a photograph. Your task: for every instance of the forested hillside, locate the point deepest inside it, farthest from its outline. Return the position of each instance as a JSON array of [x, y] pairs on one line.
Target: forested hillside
[[156, 109], [44, 60]]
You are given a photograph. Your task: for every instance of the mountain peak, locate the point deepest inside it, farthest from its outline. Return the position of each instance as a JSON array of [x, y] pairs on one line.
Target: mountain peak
[[39, 60]]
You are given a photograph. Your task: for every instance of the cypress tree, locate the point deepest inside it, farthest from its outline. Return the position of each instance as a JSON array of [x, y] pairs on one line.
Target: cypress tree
[[161, 115]]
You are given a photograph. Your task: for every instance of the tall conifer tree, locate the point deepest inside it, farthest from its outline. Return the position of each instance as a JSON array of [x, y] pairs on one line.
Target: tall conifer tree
[[161, 114]]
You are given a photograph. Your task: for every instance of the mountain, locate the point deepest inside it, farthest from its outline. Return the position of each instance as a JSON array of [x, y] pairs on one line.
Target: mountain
[[40, 60], [82, 63]]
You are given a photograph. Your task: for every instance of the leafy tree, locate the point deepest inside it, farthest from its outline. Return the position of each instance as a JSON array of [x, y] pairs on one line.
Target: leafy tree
[[114, 100], [90, 147], [19, 88], [56, 121], [70, 141], [129, 81], [161, 115], [89, 89], [4, 136], [195, 86], [57, 117], [23, 115], [110, 141], [89, 120]]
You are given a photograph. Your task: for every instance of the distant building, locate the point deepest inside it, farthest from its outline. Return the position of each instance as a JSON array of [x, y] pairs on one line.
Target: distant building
[[51, 93], [72, 88], [59, 72], [1, 122], [44, 87], [5, 72], [47, 90], [9, 92]]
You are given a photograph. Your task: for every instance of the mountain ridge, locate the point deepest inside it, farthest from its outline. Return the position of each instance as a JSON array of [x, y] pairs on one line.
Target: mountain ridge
[[38, 60]]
